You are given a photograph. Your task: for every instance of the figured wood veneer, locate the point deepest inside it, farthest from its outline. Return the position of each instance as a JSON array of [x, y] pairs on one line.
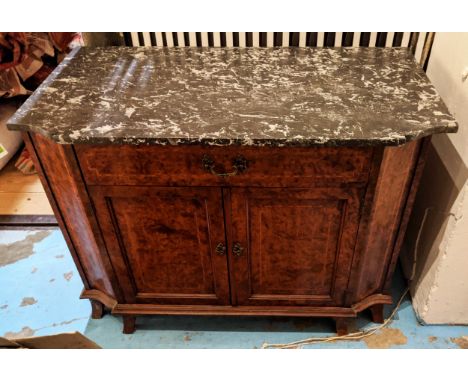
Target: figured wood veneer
[[298, 244], [62, 181], [301, 232], [162, 242], [182, 165]]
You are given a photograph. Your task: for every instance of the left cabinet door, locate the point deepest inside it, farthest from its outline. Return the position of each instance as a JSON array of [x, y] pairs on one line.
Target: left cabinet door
[[166, 244]]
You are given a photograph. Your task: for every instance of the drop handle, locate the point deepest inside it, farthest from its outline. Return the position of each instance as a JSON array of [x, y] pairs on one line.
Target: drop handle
[[237, 250], [239, 165], [220, 249]]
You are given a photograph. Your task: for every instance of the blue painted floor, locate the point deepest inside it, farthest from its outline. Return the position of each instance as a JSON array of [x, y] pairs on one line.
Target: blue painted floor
[[39, 285], [39, 295]]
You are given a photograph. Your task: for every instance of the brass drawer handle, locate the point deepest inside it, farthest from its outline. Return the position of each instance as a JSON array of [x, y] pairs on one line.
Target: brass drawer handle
[[239, 165], [237, 250], [220, 249]]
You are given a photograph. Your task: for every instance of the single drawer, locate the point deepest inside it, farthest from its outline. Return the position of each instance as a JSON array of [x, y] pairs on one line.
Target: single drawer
[[218, 166]]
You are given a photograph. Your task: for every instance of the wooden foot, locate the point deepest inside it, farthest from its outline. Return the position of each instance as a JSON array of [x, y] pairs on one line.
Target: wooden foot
[[341, 324], [97, 309], [377, 313], [129, 324]]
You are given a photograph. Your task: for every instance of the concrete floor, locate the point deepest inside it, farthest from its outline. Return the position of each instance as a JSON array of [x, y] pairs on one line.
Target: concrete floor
[[39, 289]]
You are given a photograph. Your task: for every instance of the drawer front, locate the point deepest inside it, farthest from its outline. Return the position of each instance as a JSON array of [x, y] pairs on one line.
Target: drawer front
[[203, 166]]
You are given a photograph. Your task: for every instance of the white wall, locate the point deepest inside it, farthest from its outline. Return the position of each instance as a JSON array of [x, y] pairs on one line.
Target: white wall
[[438, 231]]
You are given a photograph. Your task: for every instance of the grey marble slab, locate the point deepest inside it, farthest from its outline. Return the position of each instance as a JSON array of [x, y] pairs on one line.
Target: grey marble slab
[[244, 96]]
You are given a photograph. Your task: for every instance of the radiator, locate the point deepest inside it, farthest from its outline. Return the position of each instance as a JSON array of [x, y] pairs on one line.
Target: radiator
[[418, 42]]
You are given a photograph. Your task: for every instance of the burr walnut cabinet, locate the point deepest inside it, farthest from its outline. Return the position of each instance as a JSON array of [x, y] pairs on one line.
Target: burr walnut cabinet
[[292, 231], [260, 182]]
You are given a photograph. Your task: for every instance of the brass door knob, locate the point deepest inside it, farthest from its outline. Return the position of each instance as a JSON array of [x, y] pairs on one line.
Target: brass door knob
[[220, 249], [237, 249]]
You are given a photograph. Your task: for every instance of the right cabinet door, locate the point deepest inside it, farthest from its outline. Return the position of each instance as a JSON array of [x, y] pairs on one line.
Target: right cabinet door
[[292, 246]]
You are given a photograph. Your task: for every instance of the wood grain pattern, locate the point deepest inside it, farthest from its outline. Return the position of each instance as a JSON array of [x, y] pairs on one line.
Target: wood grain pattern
[[28, 140], [68, 196], [97, 310], [379, 229], [162, 242], [341, 325], [298, 244], [253, 310], [302, 232], [412, 185], [226, 310], [97, 295], [377, 313], [182, 166], [369, 301], [22, 194], [129, 324]]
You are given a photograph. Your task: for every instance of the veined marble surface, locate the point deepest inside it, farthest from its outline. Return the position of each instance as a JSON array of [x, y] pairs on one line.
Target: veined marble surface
[[246, 96]]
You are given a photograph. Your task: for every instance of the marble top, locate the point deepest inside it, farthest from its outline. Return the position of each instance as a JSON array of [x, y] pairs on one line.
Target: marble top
[[239, 96]]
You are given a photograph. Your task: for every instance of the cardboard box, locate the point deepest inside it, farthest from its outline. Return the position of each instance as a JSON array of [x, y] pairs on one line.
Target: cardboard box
[[56, 341]]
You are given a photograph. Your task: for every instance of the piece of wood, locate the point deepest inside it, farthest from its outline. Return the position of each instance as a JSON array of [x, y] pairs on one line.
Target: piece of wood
[[341, 325], [61, 178], [35, 157], [307, 232], [28, 220], [381, 220], [413, 185], [297, 244], [183, 166], [22, 194], [97, 295], [373, 299], [250, 310], [163, 243], [97, 309], [24, 203], [377, 313], [129, 323], [229, 310], [14, 181]]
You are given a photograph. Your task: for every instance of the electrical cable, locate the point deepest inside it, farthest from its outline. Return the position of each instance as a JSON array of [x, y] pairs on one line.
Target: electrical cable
[[363, 333], [347, 337]]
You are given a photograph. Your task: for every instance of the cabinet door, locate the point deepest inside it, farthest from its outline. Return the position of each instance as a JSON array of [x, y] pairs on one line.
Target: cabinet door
[[292, 246], [165, 243]]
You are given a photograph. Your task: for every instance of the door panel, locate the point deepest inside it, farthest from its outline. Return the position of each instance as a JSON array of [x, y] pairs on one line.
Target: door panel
[[297, 245], [162, 243]]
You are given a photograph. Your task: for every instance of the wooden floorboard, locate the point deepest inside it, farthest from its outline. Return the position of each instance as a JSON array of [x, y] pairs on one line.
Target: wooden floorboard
[[32, 220], [22, 195]]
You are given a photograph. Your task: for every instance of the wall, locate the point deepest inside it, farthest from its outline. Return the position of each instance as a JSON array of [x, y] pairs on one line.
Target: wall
[[438, 231]]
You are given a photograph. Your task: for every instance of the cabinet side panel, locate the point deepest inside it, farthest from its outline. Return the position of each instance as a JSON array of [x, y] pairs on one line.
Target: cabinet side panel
[[68, 194], [408, 207], [377, 236]]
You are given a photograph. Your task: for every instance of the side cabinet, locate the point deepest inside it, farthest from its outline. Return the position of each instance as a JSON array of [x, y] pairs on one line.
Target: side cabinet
[[183, 230]]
